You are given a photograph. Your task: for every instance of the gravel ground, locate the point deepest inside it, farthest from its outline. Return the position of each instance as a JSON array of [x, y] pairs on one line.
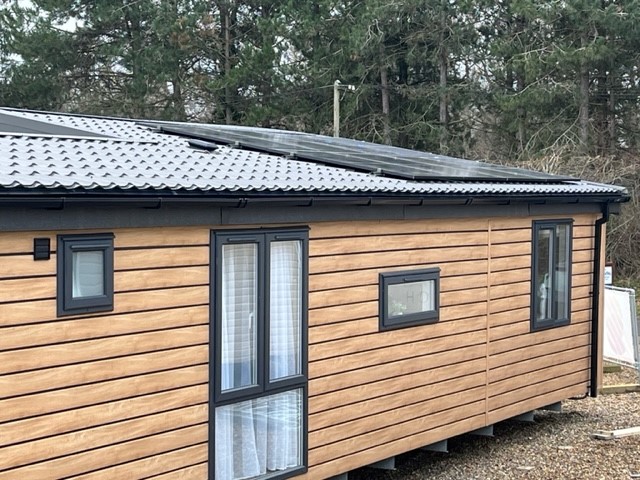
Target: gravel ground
[[557, 446]]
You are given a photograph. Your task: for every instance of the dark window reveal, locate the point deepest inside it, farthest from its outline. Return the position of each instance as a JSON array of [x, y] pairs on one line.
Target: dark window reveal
[[409, 298], [85, 273], [551, 274], [260, 336]]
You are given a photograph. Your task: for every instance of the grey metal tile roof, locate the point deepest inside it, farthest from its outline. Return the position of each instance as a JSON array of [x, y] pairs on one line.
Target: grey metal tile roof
[[138, 158]]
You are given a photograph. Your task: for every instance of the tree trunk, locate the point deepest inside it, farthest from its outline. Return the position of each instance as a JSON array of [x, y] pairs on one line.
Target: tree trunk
[[225, 17], [583, 114], [443, 67], [386, 127]]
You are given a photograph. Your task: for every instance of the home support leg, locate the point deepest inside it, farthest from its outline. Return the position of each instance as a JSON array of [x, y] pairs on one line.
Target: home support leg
[[554, 407], [388, 464], [524, 417], [484, 431], [441, 446]]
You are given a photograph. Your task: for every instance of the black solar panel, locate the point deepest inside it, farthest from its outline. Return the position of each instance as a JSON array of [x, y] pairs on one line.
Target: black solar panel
[[15, 124], [359, 155]]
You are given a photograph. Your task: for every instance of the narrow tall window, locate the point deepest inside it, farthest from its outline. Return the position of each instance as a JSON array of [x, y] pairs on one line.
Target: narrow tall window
[[551, 274], [85, 273], [258, 419]]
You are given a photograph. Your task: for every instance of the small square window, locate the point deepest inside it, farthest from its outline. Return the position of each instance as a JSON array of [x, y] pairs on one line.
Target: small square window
[[409, 298], [85, 273]]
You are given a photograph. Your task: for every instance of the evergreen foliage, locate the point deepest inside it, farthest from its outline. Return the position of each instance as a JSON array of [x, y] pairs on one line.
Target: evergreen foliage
[[544, 83]]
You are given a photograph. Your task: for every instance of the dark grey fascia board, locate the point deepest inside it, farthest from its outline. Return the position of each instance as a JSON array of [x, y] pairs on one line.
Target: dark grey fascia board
[[82, 217]]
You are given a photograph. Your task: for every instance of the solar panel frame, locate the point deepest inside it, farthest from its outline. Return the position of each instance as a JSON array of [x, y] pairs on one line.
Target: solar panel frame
[[358, 155]]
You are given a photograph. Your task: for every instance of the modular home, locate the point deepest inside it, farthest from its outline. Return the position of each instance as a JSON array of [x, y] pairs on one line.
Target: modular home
[[213, 302]]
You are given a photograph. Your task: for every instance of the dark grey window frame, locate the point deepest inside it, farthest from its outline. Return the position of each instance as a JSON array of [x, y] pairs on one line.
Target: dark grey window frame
[[264, 387], [66, 245], [407, 276], [553, 321]]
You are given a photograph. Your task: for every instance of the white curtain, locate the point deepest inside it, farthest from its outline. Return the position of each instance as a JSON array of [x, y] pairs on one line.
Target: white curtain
[[239, 289], [260, 436], [88, 274], [286, 309]]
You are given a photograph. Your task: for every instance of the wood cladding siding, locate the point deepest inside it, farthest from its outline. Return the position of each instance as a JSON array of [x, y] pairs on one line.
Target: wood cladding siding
[[376, 394], [124, 394]]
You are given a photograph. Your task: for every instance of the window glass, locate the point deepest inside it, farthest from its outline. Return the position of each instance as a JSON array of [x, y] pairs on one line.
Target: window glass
[[257, 437], [88, 273], [544, 271], [408, 298], [239, 316], [285, 310]]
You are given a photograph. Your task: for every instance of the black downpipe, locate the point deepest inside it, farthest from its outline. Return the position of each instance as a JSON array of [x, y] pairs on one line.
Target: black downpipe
[[595, 307]]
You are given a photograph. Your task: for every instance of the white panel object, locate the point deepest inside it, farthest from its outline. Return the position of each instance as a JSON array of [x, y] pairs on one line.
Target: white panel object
[[620, 342]]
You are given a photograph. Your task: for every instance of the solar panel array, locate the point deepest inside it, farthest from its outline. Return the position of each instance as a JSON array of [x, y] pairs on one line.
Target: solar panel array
[[362, 156], [16, 125]]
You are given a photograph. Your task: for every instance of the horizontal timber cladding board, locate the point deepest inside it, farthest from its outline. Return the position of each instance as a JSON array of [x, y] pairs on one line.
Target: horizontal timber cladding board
[[510, 316], [361, 400], [74, 352], [527, 341], [374, 373], [582, 268], [342, 313], [510, 263], [531, 364], [350, 460], [64, 330], [539, 401], [45, 310], [510, 290], [344, 296], [403, 413], [523, 326], [79, 396], [540, 388], [95, 415], [546, 373], [21, 289], [106, 456], [360, 360], [583, 243], [81, 440], [394, 432], [101, 370], [337, 331], [409, 257], [138, 259], [474, 270], [510, 249], [195, 472], [189, 458], [14, 266], [380, 243], [161, 278], [393, 227], [538, 350], [22, 242], [379, 401], [386, 340]]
